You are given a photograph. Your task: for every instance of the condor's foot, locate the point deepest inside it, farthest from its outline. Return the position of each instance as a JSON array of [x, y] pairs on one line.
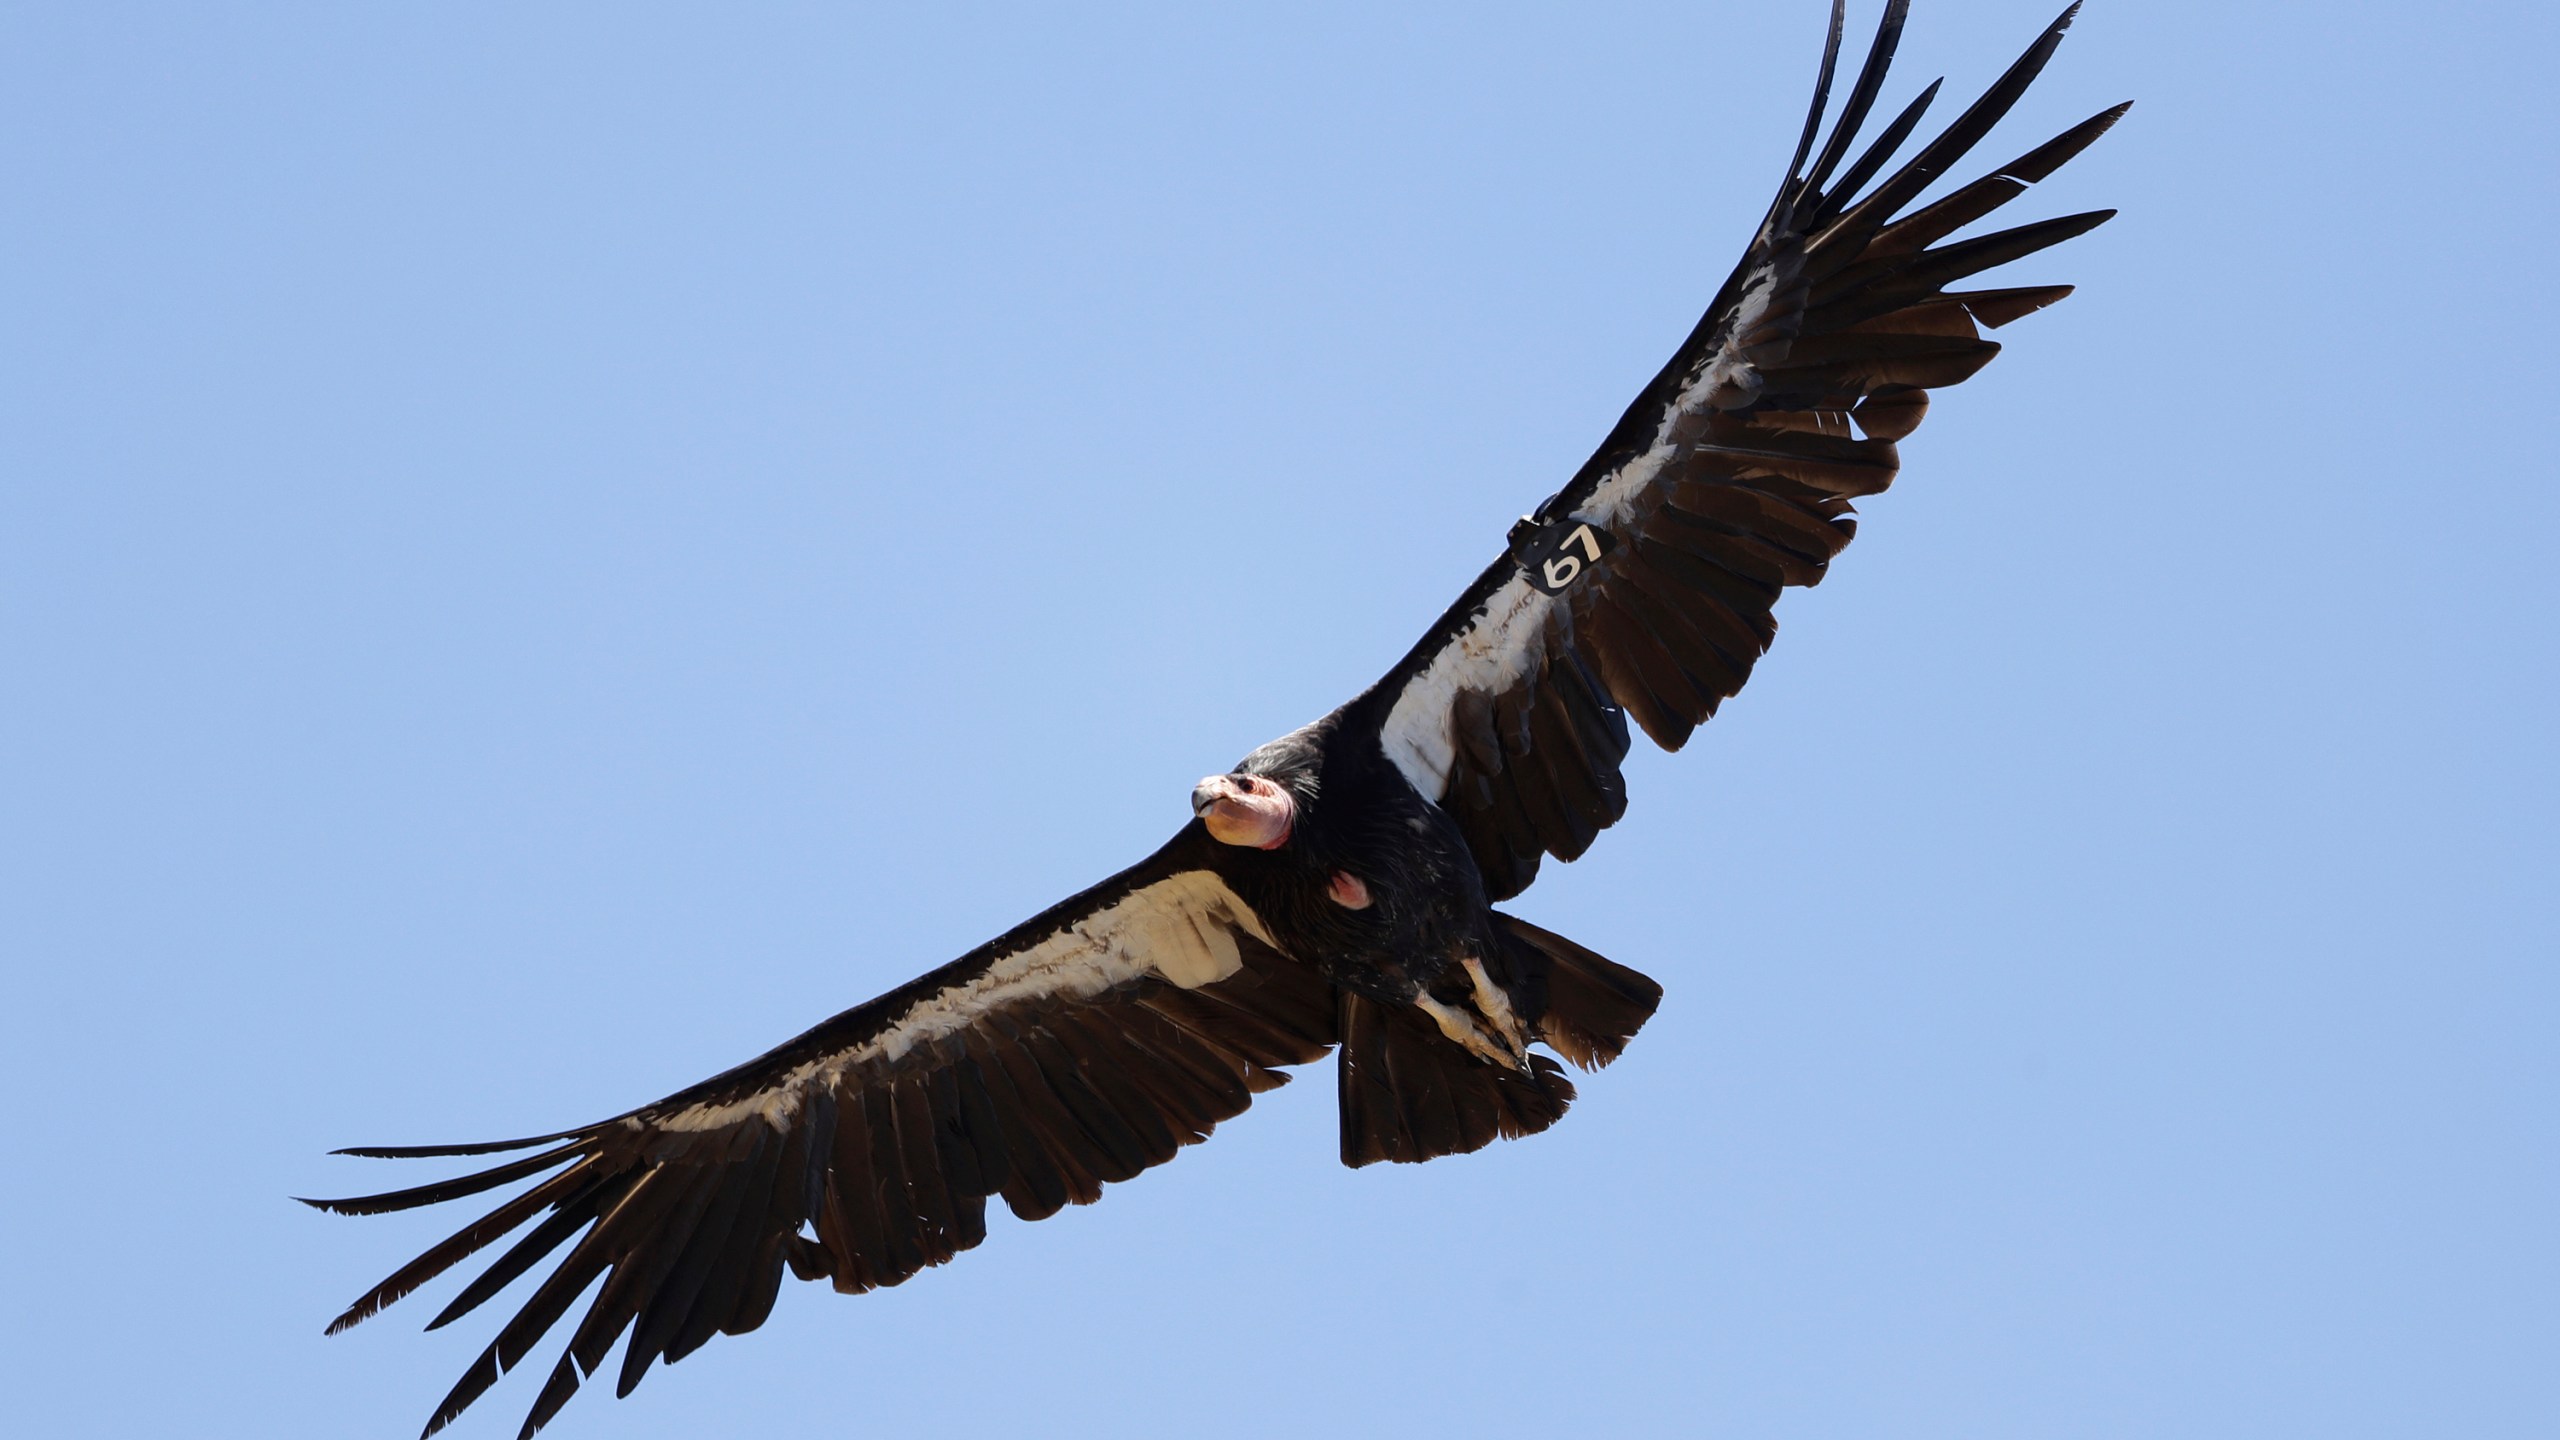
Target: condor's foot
[[1482, 1035]]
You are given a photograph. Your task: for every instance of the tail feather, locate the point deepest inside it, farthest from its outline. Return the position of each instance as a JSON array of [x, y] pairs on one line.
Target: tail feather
[[1594, 1005], [1409, 1093]]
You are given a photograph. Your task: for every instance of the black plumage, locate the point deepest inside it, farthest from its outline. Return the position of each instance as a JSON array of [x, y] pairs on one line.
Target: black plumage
[[1335, 892]]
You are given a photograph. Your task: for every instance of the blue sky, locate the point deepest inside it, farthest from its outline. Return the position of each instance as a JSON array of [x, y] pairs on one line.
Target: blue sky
[[541, 553]]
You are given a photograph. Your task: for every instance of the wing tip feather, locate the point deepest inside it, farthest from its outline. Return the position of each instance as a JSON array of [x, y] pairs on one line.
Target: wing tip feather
[[472, 1147]]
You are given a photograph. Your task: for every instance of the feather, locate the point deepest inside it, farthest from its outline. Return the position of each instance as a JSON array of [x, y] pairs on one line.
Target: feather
[[763, 1282], [1628, 662], [1372, 1125], [1594, 1004], [555, 1393], [733, 1261], [1996, 308], [1530, 1103], [1550, 826], [1875, 286], [1891, 413], [1952, 143], [798, 1189], [954, 1155], [427, 1152], [1217, 1074], [1874, 158], [1471, 714], [643, 1201], [443, 1190], [1799, 533], [1032, 1184], [1111, 1068], [1598, 722], [1821, 84], [685, 1258], [980, 1124], [928, 1195], [1515, 838], [562, 1189], [1579, 784], [902, 1253], [574, 1215], [1862, 95], [1727, 604], [1285, 1025], [1566, 772], [1428, 1113], [1861, 362], [849, 1225], [1080, 1165], [1690, 698], [1935, 222], [1653, 602], [1105, 1145]]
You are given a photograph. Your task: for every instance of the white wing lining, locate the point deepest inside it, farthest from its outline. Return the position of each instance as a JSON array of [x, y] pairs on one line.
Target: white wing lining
[[1180, 928], [1506, 641]]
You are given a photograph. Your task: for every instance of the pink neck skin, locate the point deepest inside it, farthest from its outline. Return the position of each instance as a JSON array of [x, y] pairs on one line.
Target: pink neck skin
[[1250, 811]]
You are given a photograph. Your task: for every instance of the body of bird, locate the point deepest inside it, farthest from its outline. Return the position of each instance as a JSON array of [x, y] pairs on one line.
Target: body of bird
[[1336, 891]]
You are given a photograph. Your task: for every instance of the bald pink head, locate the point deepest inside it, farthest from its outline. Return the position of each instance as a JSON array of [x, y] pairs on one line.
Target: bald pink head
[[1245, 810]]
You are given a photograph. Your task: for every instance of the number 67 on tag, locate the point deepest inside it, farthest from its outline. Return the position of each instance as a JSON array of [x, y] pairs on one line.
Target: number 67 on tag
[[1553, 556]]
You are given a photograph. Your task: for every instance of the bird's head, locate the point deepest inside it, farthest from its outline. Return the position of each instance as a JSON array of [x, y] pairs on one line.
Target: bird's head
[[1244, 809]]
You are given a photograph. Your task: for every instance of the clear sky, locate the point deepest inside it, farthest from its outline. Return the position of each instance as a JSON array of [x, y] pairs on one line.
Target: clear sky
[[544, 549]]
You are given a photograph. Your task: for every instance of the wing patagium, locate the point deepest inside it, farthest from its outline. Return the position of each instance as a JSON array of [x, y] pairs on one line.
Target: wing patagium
[[1730, 477], [1087, 1045]]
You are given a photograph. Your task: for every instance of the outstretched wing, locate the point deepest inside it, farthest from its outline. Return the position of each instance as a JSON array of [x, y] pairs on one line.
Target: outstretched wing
[[1084, 1046], [1644, 587]]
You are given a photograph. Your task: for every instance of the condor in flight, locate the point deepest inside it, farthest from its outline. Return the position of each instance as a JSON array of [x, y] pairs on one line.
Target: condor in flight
[[1335, 890]]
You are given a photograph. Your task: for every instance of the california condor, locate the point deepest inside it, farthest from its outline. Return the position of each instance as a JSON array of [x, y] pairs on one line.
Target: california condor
[[1335, 890]]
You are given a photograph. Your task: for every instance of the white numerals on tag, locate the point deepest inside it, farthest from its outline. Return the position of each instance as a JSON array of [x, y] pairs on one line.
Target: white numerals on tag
[[1558, 556]]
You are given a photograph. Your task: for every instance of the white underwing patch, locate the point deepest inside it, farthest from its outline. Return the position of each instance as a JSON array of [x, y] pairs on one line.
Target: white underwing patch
[[1504, 643], [1499, 648], [1181, 928]]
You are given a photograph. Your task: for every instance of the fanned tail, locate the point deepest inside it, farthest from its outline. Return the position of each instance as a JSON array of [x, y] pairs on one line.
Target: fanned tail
[[1410, 1093]]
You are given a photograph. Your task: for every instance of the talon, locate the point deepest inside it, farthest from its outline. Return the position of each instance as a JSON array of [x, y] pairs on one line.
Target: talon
[[1462, 1028]]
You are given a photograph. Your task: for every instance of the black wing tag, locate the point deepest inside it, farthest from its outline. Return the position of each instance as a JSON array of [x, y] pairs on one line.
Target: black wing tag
[[1555, 555]]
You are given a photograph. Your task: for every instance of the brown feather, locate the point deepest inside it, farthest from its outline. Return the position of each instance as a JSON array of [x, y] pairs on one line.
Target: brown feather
[[938, 1228], [575, 1214], [902, 1251], [850, 1224], [470, 1240], [1627, 662], [1892, 412], [1033, 1186], [1996, 308], [1079, 1162]]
